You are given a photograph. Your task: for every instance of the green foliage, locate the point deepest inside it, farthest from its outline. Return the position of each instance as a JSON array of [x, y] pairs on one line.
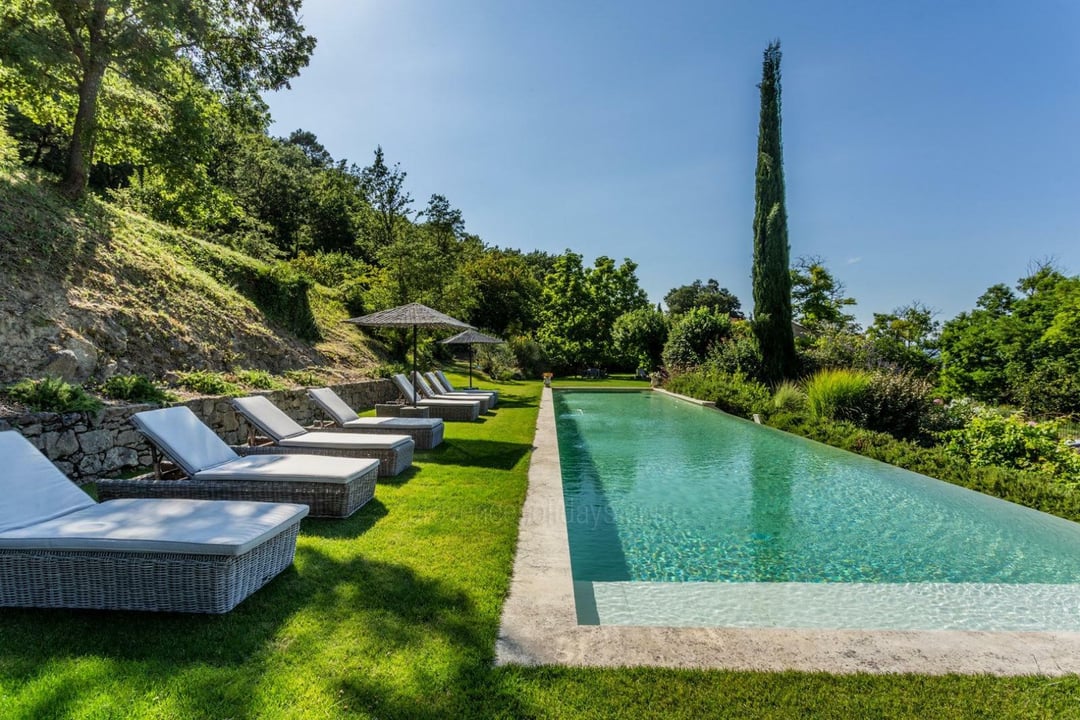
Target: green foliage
[[1018, 349], [639, 338], [136, 389], [389, 370], [347, 275], [507, 292], [898, 403], [579, 308], [737, 354], [710, 295], [818, 299], [258, 380], [528, 355], [771, 274], [994, 438], [906, 338], [837, 394], [1033, 489], [53, 395], [789, 398], [205, 382], [732, 392], [306, 378], [498, 361], [836, 348], [693, 336], [9, 148]]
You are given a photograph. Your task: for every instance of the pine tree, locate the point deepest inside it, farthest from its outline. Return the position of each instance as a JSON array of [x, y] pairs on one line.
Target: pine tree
[[771, 276]]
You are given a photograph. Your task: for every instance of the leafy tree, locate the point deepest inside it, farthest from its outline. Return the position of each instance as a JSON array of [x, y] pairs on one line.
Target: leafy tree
[[235, 46], [507, 292], [906, 337], [445, 226], [771, 279], [639, 337], [710, 295], [693, 336], [817, 298], [579, 307]]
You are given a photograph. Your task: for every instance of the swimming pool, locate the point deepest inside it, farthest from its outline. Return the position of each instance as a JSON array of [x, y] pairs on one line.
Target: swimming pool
[[681, 515]]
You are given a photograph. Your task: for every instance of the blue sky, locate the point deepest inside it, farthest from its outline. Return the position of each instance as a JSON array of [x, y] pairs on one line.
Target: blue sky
[[930, 147]]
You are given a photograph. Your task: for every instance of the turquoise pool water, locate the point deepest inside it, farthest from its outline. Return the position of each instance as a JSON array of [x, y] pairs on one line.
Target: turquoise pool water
[[679, 514]]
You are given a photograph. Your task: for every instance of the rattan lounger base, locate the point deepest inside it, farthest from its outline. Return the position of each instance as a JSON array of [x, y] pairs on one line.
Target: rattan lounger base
[[392, 461], [168, 582]]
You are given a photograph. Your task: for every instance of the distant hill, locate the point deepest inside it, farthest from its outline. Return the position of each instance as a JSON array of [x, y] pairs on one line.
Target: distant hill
[[91, 290]]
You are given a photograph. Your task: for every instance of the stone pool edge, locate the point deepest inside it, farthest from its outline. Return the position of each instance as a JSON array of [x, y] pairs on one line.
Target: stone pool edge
[[539, 621]]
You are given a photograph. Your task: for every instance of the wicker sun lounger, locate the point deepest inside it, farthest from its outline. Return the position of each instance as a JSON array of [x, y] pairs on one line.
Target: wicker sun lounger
[[449, 387], [427, 433], [394, 452], [61, 549], [211, 470], [428, 392], [439, 387], [449, 410]]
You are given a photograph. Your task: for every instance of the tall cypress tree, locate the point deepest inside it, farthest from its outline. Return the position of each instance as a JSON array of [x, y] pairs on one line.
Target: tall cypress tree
[[771, 275]]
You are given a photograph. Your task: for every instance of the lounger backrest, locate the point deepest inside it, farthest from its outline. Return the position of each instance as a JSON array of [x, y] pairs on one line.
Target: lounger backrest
[[425, 389], [184, 438], [405, 387], [445, 381], [268, 417], [33, 489], [435, 383], [333, 405]]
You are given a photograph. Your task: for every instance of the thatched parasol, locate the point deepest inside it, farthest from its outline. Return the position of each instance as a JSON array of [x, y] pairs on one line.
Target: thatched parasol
[[413, 315], [470, 338]]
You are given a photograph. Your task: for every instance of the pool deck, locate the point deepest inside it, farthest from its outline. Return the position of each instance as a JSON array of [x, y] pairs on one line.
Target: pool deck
[[539, 621]]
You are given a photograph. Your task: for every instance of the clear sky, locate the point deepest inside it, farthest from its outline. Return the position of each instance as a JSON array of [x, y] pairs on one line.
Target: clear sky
[[930, 146]]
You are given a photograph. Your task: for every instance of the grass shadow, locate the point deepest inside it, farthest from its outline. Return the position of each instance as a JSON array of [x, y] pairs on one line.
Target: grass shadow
[[493, 454], [353, 526]]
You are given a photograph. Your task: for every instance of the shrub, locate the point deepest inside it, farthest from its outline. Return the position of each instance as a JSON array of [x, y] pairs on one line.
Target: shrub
[[1035, 490], [205, 382], [994, 438], [388, 370], [897, 403], [528, 355], [9, 148], [498, 362], [732, 392], [137, 389], [738, 354], [258, 380], [837, 394], [693, 336], [53, 395], [307, 378], [789, 398]]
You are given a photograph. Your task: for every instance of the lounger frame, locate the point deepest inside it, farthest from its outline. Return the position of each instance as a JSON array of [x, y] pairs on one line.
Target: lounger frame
[[169, 582], [325, 499]]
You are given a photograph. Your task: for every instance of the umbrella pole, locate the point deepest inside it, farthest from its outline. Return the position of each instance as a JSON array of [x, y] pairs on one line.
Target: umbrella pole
[[470, 365], [414, 366]]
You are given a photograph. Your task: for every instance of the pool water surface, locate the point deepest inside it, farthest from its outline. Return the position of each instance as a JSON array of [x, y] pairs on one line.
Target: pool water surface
[[681, 515]]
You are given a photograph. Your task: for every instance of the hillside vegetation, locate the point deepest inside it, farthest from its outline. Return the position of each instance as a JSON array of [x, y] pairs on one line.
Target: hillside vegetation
[[90, 289]]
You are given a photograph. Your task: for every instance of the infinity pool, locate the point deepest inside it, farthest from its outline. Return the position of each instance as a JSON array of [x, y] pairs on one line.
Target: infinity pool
[[681, 515]]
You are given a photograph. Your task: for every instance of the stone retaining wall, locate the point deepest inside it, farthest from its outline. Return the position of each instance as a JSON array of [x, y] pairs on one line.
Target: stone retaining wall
[[87, 446]]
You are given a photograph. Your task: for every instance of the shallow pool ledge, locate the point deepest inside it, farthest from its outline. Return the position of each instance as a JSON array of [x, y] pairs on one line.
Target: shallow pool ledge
[[540, 625]]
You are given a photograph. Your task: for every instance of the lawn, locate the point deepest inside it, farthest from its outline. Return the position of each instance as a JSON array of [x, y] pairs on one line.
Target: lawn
[[394, 612]]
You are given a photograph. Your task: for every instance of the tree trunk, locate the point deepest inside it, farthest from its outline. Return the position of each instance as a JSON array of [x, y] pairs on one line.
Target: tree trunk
[[81, 153]]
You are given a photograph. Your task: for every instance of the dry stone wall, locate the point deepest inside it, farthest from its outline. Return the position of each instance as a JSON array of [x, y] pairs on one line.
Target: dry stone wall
[[87, 446]]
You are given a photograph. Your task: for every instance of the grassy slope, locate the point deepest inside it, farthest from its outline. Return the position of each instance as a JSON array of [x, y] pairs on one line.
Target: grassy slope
[[129, 285], [394, 612]]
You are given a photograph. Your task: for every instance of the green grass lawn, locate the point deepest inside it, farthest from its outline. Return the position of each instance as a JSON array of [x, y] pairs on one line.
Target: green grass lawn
[[394, 612]]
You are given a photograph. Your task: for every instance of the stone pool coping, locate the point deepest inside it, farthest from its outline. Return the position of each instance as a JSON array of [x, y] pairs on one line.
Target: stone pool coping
[[539, 620]]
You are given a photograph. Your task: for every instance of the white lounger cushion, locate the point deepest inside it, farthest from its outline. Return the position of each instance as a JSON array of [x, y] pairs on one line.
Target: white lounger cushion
[[440, 388], [334, 406], [295, 468], [32, 489], [268, 417], [358, 441], [184, 438], [409, 392], [200, 527]]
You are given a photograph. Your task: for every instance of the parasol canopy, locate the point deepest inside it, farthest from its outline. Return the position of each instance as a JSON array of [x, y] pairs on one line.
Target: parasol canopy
[[470, 338], [413, 315]]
